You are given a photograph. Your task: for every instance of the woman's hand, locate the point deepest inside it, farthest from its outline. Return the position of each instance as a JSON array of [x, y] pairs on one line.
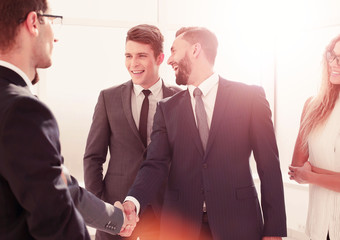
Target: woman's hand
[[301, 174]]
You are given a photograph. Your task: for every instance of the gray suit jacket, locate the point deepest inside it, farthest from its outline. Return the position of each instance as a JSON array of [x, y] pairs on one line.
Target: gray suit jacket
[[95, 212], [113, 128]]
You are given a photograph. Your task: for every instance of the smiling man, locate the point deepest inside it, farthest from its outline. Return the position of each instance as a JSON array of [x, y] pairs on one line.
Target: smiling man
[[122, 123], [201, 144]]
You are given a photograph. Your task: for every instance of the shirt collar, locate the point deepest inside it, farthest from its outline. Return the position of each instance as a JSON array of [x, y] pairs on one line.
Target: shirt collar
[[19, 72], [206, 85], [155, 89]]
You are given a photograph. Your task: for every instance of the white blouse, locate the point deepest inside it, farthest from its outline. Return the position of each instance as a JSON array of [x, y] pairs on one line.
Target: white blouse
[[324, 204]]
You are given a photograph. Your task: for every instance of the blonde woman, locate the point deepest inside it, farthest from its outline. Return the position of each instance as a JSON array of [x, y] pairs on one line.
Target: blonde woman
[[316, 158]]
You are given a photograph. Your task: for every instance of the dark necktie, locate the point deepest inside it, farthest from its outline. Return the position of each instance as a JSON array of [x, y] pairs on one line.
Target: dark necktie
[[143, 120], [201, 117]]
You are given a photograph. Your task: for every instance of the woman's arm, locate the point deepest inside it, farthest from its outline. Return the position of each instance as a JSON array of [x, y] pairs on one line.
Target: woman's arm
[[300, 155], [304, 173], [300, 162], [325, 178], [317, 176]]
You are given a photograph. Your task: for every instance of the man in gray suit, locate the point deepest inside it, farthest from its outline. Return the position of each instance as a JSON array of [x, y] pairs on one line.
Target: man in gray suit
[[122, 123]]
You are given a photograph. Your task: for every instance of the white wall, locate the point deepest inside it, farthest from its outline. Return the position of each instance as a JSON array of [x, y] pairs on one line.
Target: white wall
[[90, 57], [273, 43]]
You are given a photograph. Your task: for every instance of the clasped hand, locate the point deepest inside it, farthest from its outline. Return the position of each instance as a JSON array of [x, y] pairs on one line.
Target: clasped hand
[[130, 218], [300, 174]]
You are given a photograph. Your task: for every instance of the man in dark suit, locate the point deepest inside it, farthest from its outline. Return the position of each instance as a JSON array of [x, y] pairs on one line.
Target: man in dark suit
[[201, 143], [118, 126], [35, 202]]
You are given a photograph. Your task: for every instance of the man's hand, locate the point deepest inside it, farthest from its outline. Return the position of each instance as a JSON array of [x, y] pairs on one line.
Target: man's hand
[[130, 218], [300, 174]]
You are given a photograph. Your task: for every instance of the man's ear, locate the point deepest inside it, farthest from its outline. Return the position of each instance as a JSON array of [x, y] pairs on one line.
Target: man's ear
[[160, 58], [196, 49], [31, 23]]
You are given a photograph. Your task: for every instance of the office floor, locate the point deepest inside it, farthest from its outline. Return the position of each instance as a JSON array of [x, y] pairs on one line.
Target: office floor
[[92, 238]]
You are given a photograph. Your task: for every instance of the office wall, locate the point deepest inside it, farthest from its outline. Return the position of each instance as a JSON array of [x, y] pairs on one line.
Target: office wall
[[272, 43], [90, 57]]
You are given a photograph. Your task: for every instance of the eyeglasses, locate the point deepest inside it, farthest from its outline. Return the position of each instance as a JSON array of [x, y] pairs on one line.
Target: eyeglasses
[[53, 19], [330, 56]]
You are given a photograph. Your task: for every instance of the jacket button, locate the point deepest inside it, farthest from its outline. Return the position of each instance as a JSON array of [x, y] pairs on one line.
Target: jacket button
[[205, 165]]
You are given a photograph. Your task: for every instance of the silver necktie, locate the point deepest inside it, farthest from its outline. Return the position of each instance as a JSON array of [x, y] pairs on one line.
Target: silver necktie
[[201, 117]]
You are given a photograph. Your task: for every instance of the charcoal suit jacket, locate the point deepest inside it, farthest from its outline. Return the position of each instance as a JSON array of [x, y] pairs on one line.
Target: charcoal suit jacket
[[35, 203], [220, 176]]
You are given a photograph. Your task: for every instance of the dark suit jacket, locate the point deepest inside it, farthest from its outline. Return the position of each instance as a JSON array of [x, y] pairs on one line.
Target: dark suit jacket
[[34, 201], [113, 128], [221, 176]]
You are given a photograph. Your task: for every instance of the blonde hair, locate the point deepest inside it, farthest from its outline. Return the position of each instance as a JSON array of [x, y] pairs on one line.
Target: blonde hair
[[319, 108]]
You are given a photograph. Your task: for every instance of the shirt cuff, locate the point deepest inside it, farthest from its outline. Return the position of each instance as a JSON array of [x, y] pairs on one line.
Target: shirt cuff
[[135, 201]]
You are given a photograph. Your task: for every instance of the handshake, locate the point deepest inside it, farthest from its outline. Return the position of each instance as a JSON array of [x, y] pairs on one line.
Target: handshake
[[130, 217]]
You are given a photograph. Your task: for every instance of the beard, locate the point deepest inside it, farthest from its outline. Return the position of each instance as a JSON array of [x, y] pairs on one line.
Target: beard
[[184, 70]]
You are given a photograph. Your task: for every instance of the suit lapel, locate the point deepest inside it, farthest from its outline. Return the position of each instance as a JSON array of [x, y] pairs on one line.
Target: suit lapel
[[126, 102], [189, 121], [221, 104]]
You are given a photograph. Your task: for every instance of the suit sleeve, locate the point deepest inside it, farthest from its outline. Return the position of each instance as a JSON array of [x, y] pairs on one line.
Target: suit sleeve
[[155, 167], [268, 166], [96, 149], [96, 213], [32, 168]]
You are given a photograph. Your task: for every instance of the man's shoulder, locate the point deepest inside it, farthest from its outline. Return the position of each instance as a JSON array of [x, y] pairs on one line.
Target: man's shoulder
[[175, 98], [18, 101], [239, 86], [173, 88], [118, 87], [12, 93], [169, 90]]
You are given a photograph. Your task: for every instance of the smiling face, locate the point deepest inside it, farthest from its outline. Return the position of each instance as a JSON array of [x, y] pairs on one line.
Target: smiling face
[[141, 63], [180, 61], [334, 65]]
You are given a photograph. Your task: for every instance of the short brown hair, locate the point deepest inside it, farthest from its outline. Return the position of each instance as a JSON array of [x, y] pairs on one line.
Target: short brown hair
[[12, 12], [205, 37], [147, 34]]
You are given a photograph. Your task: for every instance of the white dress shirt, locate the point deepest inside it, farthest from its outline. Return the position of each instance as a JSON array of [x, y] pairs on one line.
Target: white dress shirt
[[209, 92]]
